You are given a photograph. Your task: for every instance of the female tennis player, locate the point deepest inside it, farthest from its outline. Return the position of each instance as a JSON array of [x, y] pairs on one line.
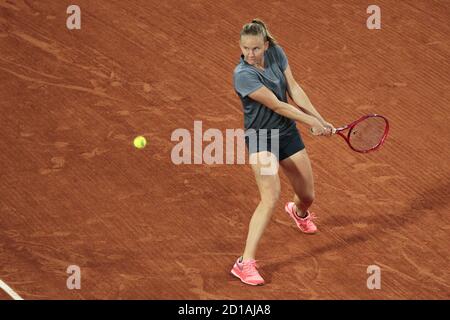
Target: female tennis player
[[262, 80]]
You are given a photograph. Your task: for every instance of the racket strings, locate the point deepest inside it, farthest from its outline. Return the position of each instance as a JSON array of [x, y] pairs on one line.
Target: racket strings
[[368, 134]]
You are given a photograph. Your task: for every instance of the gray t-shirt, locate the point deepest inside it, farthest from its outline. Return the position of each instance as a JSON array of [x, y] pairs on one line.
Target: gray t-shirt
[[248, 79]]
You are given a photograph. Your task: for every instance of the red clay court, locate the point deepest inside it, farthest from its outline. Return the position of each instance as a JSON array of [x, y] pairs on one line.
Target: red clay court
[[74, 191]]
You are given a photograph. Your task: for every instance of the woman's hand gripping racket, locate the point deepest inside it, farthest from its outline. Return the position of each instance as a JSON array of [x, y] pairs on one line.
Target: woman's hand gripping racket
[[366, 134]]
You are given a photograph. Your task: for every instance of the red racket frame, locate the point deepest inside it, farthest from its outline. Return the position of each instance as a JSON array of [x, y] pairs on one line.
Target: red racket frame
[[354, 123]]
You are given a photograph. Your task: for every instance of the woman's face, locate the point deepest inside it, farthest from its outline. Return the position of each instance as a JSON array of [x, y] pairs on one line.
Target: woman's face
[[253, 48]]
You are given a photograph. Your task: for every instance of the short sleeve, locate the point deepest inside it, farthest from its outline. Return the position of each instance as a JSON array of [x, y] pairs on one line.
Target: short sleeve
[[246, 82], [282, 58]]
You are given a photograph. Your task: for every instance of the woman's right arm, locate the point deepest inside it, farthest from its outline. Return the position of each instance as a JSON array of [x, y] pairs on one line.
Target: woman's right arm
[[266, 97]]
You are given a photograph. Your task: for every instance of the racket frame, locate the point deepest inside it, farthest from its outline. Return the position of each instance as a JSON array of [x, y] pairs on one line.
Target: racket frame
[[350, 127]]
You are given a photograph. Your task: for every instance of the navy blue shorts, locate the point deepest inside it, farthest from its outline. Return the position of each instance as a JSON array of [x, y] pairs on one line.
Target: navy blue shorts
[[289, 144]]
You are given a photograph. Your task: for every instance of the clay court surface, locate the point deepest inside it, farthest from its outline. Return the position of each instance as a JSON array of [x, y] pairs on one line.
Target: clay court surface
[[74, 191]]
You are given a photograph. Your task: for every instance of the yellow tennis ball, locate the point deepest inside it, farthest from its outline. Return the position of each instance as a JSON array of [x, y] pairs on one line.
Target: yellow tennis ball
[[140, 142]]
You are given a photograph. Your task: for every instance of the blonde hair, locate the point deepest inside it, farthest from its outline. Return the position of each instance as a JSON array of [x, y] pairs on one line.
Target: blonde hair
[[258, 27]]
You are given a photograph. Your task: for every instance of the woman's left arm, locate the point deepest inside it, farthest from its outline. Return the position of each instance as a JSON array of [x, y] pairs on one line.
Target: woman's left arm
[[301, 99]]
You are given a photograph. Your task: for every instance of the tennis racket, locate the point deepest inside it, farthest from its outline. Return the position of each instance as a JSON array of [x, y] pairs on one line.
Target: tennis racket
[[366, 134]]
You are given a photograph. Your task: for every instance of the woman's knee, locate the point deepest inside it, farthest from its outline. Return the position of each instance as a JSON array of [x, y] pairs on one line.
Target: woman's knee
[[271, 198]]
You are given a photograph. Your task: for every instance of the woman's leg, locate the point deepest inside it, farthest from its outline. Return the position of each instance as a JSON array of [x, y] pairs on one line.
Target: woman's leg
[[269, 189], [299, 172]]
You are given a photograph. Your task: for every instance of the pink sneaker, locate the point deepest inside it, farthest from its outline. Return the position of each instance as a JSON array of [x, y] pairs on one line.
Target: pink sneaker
[[306, 224], [247, 272]]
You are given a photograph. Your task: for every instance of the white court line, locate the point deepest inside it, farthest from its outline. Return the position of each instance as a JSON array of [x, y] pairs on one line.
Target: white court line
[[10, 291]]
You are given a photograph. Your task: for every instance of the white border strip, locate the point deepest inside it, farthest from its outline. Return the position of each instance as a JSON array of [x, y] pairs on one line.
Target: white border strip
[[9, 291]]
